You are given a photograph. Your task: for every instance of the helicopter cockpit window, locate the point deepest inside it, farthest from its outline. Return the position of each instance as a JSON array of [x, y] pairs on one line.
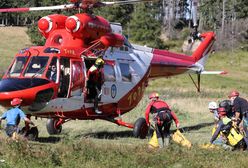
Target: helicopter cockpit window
[[109, 73], [125, 72], [18, 66], [36, 66]]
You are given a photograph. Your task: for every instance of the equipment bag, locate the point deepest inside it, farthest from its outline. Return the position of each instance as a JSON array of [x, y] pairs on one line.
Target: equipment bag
[[154, 140], [234, 137], [178, 137]]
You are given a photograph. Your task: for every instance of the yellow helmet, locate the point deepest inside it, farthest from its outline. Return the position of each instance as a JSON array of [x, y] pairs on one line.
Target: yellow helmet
[[99, 61]]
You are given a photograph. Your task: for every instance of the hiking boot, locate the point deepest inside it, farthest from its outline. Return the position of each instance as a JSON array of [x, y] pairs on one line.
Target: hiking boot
[[166, 141], [160, 143]]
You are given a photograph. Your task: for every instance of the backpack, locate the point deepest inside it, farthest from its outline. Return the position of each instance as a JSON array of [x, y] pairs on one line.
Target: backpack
[[163, 116]]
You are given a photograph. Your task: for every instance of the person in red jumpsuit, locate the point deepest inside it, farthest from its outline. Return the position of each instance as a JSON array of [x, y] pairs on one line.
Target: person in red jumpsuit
[[162, 117], [94, 83]]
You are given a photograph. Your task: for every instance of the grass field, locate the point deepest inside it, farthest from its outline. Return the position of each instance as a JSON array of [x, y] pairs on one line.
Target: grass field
[[103, 144]]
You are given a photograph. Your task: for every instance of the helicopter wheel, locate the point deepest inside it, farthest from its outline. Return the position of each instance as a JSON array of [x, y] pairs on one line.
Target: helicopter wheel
[[140, 129], [52, 129], [32, 134]]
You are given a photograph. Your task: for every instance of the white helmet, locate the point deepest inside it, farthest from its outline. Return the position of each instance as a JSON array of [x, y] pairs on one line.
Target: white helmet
[[212, 105]]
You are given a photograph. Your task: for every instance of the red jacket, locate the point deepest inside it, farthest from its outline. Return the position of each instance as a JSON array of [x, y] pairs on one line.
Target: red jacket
[[159, 104], [94, 74]]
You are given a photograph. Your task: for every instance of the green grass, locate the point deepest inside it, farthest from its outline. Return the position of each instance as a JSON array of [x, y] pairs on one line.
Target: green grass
[[103, 144], [12, 39]]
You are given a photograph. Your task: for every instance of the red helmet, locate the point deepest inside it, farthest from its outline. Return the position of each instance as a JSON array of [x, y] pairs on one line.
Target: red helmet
[[154, 95], [233, 93], [16, 101], [221, 111]]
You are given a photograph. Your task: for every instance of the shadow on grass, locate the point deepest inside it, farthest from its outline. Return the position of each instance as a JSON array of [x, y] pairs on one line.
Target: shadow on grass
[[50, 139], [108, 135], [195, 127], [129, 133]]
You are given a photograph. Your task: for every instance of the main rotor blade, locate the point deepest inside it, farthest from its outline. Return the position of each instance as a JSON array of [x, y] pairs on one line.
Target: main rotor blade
[[58, 7], [125, 2]]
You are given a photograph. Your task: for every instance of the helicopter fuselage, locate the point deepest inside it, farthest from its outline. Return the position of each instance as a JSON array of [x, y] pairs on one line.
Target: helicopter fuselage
[[62, 93]]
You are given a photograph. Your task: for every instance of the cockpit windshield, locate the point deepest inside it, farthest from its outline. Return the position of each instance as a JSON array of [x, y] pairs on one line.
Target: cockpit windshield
[[18, 66], [36, 66]]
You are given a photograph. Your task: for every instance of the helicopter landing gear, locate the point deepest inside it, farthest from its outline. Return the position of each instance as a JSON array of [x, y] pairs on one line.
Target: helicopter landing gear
[[54, 126], [140, 129]]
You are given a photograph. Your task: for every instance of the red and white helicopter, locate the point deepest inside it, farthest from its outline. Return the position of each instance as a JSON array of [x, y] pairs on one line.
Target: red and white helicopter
[[73, 43]]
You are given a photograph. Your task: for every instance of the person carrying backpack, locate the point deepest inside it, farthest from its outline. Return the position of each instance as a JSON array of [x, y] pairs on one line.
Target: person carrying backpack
[[162, 117]]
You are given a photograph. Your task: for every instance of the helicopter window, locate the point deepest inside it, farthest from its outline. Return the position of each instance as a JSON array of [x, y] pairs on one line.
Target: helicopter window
[[18, 66], [125, 72], [37, 65], [52, 70], [109, 73], [126, 43]]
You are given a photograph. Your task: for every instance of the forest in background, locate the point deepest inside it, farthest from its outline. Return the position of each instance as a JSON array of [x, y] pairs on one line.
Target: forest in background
[[152, 23]]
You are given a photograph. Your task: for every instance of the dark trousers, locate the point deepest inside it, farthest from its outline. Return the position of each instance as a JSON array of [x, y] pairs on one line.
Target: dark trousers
[[10, 129], [163, 130]]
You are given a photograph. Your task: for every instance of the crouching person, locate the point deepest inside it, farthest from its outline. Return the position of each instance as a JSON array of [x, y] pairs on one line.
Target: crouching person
[[162, 117], [230, 134], [13, 117]]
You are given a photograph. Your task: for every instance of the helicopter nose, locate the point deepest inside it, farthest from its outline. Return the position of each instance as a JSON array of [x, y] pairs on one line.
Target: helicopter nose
[[28, 89]]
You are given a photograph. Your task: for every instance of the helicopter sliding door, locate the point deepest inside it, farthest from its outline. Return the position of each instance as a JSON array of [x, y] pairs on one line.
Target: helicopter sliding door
[[109, 88], [77, 80]]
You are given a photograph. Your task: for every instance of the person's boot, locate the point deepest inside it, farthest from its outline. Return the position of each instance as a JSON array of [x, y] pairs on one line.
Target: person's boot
[[98, 111], [166, 141], [160, 143]]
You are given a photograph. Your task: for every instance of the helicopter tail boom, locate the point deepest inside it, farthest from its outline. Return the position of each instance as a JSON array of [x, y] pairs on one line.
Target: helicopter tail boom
[[165, 63]]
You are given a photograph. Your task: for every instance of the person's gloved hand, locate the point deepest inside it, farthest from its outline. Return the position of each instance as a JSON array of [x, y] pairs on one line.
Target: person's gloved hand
[[177, 125]]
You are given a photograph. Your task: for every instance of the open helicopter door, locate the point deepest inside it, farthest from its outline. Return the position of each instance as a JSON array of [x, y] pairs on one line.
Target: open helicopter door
[[77, 78]]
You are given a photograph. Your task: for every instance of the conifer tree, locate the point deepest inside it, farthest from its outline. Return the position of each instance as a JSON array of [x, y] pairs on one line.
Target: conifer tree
[[145, 25]]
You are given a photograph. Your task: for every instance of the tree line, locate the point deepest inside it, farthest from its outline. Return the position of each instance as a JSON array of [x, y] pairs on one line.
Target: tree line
[[148, 23]]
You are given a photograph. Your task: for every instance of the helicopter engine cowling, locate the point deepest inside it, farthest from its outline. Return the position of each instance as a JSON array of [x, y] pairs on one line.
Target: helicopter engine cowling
[[50, 23], [112, 39], [87, 27]]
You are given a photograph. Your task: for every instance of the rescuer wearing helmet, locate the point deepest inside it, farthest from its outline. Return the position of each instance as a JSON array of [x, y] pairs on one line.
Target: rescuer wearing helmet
[[13, 117], [240, 110], [227, 104], [94, 83], [212, 106], [162, 117], [224, 126]]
